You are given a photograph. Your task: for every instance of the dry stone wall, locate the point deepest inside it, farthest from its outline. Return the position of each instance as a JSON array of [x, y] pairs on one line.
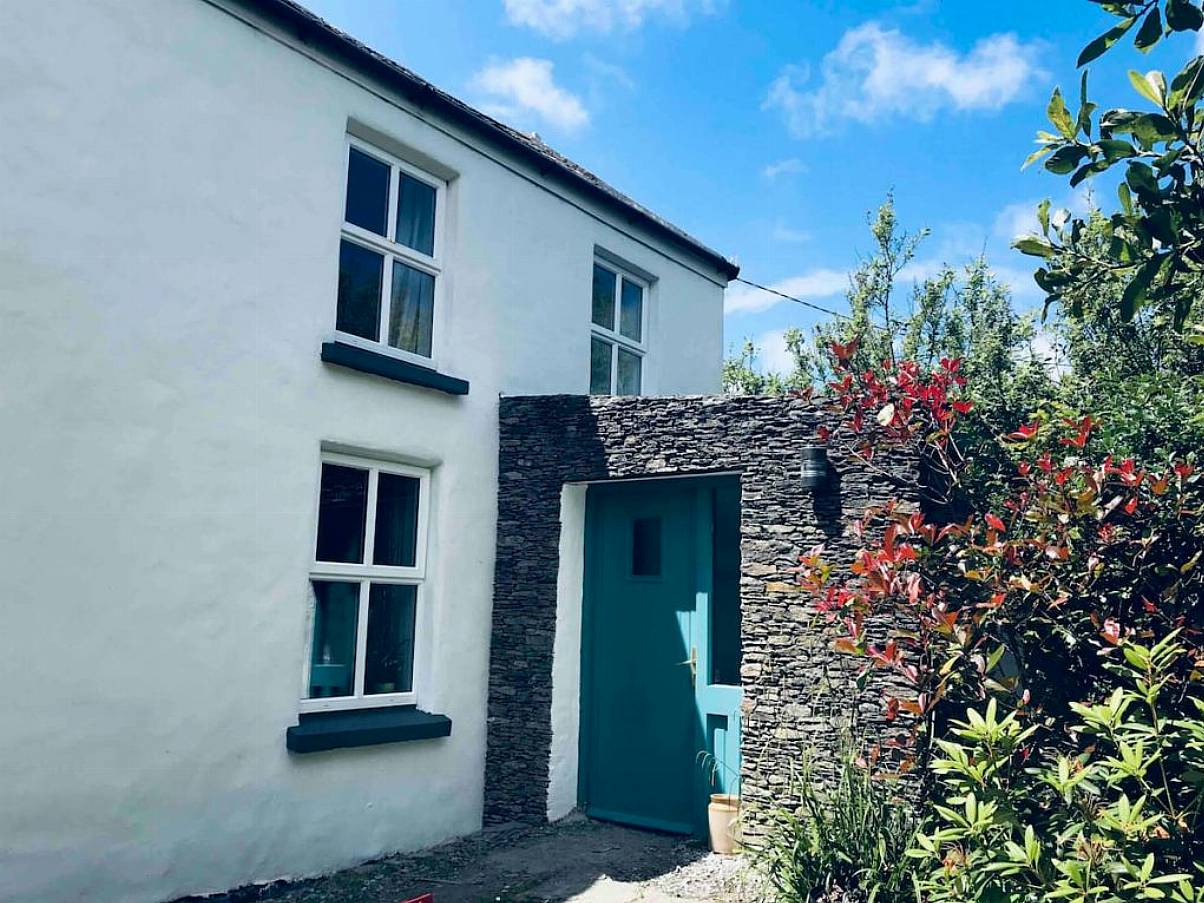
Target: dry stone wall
[[797, 691]]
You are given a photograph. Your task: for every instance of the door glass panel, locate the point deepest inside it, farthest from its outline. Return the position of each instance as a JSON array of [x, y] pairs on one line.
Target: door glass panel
[[360, 274], [342, 506], [396, 540], [631, 311], [599, 367], [389, 659], [412, 310], [332, 663], [725, 599], [416, 215], [646, 547], [367, 192], [628, 378], [604, 297]]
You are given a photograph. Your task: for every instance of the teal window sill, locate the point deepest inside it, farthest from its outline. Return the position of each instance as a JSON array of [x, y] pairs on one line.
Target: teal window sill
[[343, 729], [362, 359]]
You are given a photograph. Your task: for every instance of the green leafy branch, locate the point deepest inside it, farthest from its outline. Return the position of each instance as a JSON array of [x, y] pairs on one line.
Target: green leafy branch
[[1155, 240]]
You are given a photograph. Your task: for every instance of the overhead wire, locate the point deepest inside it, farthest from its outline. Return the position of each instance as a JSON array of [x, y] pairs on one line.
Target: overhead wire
[[811, 304]]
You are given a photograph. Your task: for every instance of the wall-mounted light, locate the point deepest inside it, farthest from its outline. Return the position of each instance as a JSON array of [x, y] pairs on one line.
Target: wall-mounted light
[[816, 469]]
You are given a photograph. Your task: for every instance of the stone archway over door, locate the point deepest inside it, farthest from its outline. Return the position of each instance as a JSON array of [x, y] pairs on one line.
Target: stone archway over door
[[791, 680]]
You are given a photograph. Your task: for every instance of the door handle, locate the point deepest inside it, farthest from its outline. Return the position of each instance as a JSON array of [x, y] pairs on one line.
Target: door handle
[[692, 661]]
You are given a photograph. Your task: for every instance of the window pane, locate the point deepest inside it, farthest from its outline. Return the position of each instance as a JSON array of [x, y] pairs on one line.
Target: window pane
[[389, 659], [396, 520], [646, 547], [416, 215], [725, 592], [341, 509], [332, 662], [360, 272], [412, 310], [367, 192], [599, 367], [631, 311], [629, 373], [604, 297]]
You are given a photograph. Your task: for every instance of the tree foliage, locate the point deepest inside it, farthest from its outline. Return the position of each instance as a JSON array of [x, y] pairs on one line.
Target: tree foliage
[[1055, 592], [963, 313], [1154, 241], [1142, 379]]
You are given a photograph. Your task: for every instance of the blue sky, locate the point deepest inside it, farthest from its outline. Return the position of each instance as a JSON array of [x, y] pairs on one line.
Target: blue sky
[[770, 129]]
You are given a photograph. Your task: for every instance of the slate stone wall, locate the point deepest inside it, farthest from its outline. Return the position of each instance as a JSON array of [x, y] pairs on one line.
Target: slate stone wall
[[797, 691]]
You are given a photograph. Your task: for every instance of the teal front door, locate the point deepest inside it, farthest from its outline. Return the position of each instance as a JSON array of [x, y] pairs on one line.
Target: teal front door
[[660, 651]]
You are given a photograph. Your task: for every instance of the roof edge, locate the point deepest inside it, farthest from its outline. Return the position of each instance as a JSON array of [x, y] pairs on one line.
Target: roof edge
[[316, 32]]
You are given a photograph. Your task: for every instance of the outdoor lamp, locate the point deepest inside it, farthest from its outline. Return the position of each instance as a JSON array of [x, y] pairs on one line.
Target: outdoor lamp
[[815, 466]]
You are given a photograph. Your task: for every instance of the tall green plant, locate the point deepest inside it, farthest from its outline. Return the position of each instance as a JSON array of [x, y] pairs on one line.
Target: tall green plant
[[848, 834]]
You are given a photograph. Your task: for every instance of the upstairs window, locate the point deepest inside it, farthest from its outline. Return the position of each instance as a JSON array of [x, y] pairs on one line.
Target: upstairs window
[[389, 254], [366, 584], [618, 332]]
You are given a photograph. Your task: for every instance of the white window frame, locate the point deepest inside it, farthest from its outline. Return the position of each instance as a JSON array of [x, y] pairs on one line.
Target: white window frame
[[615, 337], [392, 250], [367, 574]]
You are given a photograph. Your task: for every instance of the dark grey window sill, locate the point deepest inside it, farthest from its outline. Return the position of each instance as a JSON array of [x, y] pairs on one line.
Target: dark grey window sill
[[317, 731], [356, 358]]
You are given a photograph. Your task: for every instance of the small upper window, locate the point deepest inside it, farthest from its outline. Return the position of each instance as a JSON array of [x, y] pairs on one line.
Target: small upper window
[[389, 263], [366, 584], [646, 547], [617, 344]]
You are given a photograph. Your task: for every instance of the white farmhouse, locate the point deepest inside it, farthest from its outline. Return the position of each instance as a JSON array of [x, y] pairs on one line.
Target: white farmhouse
[[260, 291]]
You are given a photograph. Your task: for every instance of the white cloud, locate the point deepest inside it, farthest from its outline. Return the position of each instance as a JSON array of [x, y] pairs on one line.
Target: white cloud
[[1017, 219], [562, 19], [821, 283], [788, 166], [920, 271], [1021, 218], [1200, 43], [772, 354], [783, 233], [875, 74], [1020, 283], [523, 88], [604, 71]]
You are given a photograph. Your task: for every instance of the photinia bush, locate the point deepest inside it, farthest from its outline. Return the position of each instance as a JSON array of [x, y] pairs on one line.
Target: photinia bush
[[1028, 602]]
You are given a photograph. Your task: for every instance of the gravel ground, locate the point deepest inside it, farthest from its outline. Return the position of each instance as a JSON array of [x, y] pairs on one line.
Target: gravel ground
[[711, 877], [576, 860]]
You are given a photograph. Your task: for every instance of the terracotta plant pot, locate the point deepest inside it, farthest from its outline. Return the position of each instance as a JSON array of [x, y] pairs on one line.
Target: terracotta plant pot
[[723, 817]]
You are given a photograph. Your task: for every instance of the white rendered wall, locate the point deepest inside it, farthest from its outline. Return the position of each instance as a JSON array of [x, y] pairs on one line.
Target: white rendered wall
[[169, 224], [566, 655]]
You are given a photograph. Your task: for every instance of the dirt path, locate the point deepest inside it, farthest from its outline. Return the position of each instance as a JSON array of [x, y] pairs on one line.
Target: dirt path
[[577, 860]]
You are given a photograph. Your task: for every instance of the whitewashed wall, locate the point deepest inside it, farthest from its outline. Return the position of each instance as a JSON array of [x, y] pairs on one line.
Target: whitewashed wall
[[170, 203], [566, 654]]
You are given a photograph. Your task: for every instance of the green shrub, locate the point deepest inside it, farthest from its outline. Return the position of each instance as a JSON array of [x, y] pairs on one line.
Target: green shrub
[[1115, 815], [848, 835]]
